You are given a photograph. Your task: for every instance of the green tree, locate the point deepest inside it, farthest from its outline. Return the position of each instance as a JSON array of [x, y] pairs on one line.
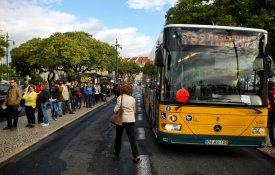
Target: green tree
[[71, 52], [149, 71], [26, 57], [4, 69], [35, 79], [132, 70], [3, 44]]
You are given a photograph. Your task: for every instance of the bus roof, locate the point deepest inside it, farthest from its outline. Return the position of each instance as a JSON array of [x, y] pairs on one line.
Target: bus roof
[[216, 27]]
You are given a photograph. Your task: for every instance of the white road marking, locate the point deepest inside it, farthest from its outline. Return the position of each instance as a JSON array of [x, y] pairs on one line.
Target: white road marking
[[140, 134], [139, 117], [143, 166]]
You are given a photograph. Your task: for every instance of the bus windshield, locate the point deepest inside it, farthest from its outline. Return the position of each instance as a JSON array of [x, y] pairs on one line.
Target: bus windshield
[[214, 65]]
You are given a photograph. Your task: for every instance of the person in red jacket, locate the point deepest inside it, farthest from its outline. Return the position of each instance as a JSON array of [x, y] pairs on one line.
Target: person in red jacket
[[271, 111]]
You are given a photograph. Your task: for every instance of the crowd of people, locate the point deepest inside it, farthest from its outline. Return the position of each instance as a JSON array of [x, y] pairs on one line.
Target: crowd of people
[[66, 97], [61, 96]]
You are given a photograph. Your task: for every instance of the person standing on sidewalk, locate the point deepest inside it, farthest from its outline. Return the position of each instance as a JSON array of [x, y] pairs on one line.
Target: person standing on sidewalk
[[89, 91], [60, 99], [38, 89], [73, 97], [43, 97], [271, 111], [84, 95], [53, 92], [128, 120], [97, 92], [12, 102], [66, 98], [30, 104]]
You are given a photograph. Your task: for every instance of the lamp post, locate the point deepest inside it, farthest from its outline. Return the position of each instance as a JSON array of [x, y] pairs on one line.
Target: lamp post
[[7, 52], [117, 46], [98, 67]]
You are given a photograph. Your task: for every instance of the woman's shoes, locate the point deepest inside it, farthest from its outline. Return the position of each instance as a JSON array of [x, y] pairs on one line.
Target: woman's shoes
[[137, 159]]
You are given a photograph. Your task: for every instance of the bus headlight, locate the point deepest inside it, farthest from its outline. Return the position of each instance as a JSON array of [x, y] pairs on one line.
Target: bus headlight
[[171, 127], [258, 130]]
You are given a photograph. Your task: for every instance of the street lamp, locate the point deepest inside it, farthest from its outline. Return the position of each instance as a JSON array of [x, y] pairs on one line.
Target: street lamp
[[7, 51], [98, 67], [117, 46]]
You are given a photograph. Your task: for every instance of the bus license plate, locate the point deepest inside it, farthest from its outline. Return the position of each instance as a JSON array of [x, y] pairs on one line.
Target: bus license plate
[[216, 142]]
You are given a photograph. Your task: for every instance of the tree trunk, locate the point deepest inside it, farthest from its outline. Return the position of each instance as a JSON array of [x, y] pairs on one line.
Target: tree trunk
[[51, 76]]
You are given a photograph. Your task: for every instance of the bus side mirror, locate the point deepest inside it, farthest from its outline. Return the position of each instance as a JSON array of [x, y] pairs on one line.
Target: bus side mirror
[[169, 61], [270, 67], [159, 57]]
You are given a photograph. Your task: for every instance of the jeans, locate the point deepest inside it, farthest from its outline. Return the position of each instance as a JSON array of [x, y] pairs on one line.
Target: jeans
[[45, 113], [79, 102], [74, 102], [89, 100], [130, 130], [60, 112], [67, 105], [271, 121], [12, 112], [54, 109], [39, 113]]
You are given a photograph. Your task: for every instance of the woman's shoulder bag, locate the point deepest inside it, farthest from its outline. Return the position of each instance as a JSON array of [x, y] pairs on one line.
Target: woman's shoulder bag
[[117, 118]]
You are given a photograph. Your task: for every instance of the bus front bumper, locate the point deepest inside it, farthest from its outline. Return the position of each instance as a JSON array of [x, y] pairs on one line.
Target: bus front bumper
[[241, 141]]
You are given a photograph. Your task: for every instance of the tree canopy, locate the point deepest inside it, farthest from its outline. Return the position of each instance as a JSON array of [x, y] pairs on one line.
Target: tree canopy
[[4, 69], [244, 13], [3, 44], [68, 52], [127, 70]]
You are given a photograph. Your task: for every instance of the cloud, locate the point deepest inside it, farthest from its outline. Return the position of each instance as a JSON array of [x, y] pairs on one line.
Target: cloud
[[24, 20], [149, 4]]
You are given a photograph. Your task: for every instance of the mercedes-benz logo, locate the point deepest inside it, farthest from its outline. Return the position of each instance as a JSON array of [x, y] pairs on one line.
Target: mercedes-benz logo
[[217, 128]]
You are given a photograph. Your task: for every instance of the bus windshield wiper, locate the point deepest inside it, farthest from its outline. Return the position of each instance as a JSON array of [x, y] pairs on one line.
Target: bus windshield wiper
[[181, 105], [247, 105], [236, 52]]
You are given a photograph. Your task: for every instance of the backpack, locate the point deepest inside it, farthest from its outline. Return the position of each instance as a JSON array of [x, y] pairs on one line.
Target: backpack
[[43, 96]]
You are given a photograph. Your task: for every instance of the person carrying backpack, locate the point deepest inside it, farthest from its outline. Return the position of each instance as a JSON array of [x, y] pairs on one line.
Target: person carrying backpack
[[271, 111]]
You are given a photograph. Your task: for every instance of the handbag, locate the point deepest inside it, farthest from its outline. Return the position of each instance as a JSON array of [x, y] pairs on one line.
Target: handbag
[[117, 118]]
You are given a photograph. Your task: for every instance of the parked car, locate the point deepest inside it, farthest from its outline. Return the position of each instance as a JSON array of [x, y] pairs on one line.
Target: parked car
[[3, 92]]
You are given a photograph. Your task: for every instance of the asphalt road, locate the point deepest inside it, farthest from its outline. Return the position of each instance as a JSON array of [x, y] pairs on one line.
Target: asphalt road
[[86, 147]]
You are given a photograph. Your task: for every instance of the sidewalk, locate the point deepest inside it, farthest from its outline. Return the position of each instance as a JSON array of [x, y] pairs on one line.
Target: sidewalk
[[13, 142], [16, 141], [268, 150]]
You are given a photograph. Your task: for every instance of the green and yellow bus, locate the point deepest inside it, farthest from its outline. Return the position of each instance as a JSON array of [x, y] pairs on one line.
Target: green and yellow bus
[[210, 86]]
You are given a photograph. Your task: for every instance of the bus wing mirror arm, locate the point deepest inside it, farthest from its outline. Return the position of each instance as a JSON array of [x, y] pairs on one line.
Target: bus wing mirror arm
[[159, 60]]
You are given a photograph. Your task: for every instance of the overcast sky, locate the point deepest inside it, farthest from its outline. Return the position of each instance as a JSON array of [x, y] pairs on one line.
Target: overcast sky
[[135, 23]]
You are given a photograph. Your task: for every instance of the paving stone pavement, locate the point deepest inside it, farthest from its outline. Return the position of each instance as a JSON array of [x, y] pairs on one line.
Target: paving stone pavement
[[268, 150], [15, 141]]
